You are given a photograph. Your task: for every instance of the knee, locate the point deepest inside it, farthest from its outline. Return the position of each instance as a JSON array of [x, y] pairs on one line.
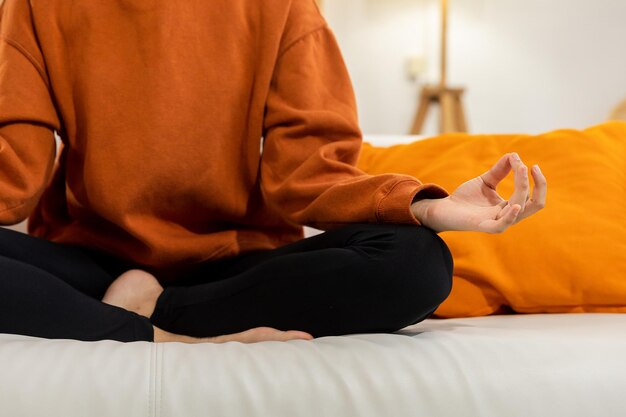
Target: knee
[[407, 270], [421, 272], [425, 257]]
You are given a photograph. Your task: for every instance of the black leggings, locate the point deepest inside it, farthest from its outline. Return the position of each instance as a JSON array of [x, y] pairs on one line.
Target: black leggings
[[361, 278]]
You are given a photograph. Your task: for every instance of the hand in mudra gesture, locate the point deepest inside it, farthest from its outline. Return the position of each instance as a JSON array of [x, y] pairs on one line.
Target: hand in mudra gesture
[[476, 206]]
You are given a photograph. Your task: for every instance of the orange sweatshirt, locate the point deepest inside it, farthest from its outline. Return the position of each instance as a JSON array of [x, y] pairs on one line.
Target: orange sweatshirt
[[191, 130]]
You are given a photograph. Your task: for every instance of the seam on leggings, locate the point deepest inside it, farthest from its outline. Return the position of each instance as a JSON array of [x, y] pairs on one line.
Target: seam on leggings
[[349, 244]]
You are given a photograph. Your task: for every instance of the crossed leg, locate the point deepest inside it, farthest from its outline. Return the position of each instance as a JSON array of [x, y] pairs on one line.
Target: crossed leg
[[53, 291], [360, 278]]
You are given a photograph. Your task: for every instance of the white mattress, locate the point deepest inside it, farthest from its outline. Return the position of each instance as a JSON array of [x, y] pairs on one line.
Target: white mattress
[[504, 366]]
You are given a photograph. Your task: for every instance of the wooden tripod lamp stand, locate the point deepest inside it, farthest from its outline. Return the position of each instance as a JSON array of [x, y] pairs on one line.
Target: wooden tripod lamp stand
[[451, 117]]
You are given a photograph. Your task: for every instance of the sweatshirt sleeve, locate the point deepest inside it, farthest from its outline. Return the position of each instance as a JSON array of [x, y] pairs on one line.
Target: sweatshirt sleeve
[[312, 142], [27, 116]]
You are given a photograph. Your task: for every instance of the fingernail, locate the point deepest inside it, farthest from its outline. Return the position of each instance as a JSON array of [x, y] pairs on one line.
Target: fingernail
[[537, 169], [516, 156]]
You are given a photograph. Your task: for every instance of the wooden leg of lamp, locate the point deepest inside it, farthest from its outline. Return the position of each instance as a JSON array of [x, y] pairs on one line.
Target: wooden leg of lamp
[[451, 116], [447, 116], [461, 121], [422, 112]]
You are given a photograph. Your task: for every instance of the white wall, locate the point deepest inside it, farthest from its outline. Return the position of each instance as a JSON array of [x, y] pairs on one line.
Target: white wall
[[528, 65]]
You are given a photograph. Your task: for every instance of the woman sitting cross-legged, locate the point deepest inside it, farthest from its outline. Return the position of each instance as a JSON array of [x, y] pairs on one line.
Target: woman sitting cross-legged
[[196, 143]]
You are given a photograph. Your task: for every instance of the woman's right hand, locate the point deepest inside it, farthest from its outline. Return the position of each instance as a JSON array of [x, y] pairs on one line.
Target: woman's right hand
[[476, 206]]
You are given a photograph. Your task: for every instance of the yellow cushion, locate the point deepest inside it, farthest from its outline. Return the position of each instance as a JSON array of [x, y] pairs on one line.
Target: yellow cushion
[[570, 257]]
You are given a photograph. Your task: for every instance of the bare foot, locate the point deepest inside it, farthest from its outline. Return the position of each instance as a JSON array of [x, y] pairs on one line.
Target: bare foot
[[138, 291], [134, 290], [258, 334]]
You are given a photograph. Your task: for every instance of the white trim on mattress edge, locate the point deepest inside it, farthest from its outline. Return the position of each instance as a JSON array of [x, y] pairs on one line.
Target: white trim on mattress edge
[[390, 140]]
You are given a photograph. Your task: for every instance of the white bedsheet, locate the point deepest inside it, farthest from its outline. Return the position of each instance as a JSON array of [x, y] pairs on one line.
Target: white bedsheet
[[500, 366]]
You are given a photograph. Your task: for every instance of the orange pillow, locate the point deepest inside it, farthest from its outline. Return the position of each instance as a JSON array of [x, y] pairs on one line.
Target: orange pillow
[[569, 257]]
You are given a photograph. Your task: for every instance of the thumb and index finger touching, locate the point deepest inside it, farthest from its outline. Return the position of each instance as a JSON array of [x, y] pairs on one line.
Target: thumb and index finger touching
[[521, 193], [501, 169]]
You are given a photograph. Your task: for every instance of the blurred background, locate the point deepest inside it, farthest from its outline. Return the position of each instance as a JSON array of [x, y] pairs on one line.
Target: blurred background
[[526, 66]]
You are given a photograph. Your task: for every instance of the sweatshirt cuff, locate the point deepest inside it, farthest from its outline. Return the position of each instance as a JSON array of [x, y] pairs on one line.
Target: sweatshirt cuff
[[395, 207]]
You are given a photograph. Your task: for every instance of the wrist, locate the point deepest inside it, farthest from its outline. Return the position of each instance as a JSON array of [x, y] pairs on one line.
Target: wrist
[[420, 210]]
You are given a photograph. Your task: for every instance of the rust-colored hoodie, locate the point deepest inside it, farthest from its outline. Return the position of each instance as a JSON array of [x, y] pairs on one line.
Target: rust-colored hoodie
[[192, 130]]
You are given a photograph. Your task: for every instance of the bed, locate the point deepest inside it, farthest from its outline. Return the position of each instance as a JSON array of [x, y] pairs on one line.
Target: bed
[[520, 365], [500, 365]]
